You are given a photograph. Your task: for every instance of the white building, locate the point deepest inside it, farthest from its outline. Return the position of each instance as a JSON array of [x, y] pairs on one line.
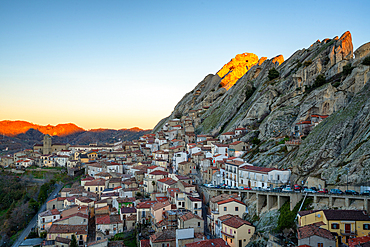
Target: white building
[[254, 176]]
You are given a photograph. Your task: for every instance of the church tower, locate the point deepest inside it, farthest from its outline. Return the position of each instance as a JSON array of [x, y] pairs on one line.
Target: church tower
[[46, 144]]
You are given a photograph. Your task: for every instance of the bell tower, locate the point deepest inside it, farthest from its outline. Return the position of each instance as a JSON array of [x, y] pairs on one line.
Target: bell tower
[[46, 149]]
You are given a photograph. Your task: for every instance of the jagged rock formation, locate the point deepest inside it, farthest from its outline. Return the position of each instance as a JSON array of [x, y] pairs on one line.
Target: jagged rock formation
[[236, 68], [271, 108]]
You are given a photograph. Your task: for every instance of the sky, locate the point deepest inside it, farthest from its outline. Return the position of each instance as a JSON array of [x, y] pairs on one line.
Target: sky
[[121, 64]]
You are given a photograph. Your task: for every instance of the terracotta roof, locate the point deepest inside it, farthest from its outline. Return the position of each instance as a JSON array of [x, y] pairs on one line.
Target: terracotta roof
[[168, 181], [193, 199], [313, 230], [352, 242], [131, 217], [225, 217], [180, 177], [96, 182], [189, 216], [157, 172], [128, 210], [222, 197], [185, 184], [160, 205], [107, 219], [257, 168], [164, 236], [235, 222], [172, 191], [146, 204], [217, 242], [62, 240], [229, 200], [235, 162], [79, 229]]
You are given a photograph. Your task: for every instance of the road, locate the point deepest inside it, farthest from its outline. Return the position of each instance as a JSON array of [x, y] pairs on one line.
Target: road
[[32, 223]]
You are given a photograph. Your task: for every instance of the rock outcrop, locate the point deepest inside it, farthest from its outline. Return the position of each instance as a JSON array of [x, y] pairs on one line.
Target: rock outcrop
[[324, 79]]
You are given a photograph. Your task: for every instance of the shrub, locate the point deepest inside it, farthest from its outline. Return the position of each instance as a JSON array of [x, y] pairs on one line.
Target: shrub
[[256, 141], [366, 61], [347, 69], [273, 74], [320, 80], [299, 64], [249, 92], [336, 84], [307, 63]]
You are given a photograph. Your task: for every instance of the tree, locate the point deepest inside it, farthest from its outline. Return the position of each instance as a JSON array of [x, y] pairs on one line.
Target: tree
[[273, 73], [73, 242]]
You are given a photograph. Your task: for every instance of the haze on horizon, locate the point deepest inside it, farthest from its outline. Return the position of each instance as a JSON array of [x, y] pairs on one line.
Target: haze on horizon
[[123, 64]]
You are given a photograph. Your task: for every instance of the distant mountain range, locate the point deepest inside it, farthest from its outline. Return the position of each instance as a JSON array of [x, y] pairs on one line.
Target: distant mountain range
[[17, 135]]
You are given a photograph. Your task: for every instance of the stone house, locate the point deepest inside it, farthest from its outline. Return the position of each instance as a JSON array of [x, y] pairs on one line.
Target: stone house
[[191, 220], [314, 235], [66, 231], [109, 224], [46, 219], [166, 238]]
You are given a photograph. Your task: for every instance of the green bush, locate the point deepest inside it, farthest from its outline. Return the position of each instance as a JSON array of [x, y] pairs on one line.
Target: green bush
[[307, 63], [347, 69], [336, 84], [256, 141], [287, 217], [320, 80], [366, 61], [273, 74]]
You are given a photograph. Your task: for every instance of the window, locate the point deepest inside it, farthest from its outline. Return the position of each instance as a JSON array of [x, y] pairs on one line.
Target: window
[[334, 226], [320, 245], [225, 208], [366, 227], [245, 240], [249, 232], [236, 208], [231, 231], [195, 205], [231, 241], [198, 224]]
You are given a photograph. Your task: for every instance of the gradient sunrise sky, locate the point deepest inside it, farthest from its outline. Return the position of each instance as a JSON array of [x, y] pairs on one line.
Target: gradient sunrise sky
[[120, 64]]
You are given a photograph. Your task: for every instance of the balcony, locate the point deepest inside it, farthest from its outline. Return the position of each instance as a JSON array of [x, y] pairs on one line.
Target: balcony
[[348, 233], [226, 234]]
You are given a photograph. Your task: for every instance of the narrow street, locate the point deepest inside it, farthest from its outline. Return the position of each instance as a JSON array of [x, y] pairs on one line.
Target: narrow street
[[33, 222]]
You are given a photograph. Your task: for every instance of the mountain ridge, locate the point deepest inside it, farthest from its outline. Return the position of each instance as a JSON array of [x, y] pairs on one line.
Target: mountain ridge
[[321, 80]]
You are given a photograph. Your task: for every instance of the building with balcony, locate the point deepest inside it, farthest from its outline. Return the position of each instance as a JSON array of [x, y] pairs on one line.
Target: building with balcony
[[344, 224]]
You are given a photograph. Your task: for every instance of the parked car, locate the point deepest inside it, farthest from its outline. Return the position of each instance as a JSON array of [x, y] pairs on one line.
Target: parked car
[[287, 189], [314, 188], [323, 191], [247, 188], [297, 187], [336, 192], [366, 193], [307, 190], [240, 188], [227, 187], [351, 192], [268, 189], [277, 189]]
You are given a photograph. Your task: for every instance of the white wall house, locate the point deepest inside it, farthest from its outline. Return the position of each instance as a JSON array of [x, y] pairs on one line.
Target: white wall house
[[254, 176]]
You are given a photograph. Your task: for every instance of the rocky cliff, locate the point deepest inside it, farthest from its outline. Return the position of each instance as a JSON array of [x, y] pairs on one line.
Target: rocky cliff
[[324, 79]]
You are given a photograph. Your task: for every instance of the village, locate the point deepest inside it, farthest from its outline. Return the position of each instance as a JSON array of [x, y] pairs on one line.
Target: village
[[154, 186]]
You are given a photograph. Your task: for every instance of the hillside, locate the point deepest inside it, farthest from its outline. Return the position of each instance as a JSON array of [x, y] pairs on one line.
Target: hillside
[[18, 135], [323, 80]]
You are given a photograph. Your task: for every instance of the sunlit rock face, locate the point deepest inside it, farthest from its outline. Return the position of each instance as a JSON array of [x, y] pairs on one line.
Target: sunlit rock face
[[236, 68]]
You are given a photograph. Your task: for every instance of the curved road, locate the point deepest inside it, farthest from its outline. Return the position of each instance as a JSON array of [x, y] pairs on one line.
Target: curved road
[[32, 223]]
